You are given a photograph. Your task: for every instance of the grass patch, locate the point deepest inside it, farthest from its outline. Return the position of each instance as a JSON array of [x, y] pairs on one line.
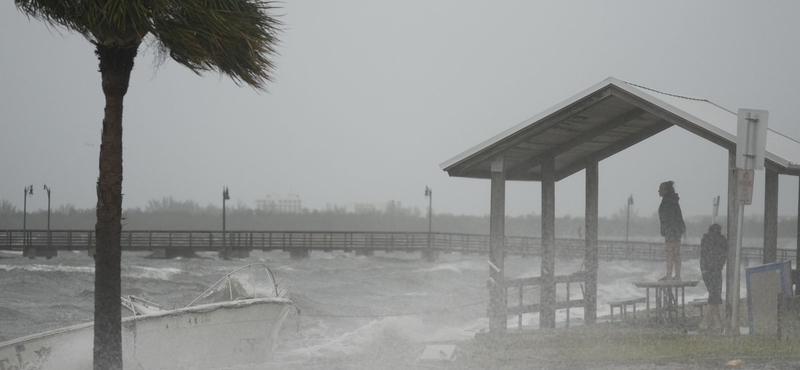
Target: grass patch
[[670, 346], [582, 347]]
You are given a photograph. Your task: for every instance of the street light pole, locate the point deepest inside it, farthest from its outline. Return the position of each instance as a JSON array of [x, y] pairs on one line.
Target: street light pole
[[48, 206], [48, 214], [628, 219], [429, 194], [225, 197], [28, 191]]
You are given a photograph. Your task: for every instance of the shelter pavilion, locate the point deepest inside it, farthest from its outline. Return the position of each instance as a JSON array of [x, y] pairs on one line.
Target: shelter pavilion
[[576, 135]]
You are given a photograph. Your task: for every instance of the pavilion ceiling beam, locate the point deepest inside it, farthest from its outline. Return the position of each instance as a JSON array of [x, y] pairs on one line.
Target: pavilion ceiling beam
[[609, 125], [674, 119], [772, 166], [770, 253], [512, 140], [613, 149]]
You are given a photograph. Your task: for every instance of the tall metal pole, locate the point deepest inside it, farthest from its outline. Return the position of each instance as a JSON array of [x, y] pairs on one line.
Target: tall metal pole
[[628, 219], [224, 246], [28, 191], [48, 215], [429, 194], [747, 127], [736, 273], [24, 212], [430, 214], [48, 207], [714, 209]]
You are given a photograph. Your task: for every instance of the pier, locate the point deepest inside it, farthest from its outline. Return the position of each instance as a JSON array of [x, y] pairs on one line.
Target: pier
[[238, 244]]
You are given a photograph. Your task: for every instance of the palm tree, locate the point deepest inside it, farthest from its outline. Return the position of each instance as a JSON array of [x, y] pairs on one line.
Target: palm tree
[[234, 37]]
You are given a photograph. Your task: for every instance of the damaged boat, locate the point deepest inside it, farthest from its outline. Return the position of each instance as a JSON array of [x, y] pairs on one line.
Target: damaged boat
[[234, 322]]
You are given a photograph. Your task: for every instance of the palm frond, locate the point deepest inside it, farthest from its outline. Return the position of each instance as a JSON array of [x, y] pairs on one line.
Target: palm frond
[[235, 37], [59, 13], [103, 21]]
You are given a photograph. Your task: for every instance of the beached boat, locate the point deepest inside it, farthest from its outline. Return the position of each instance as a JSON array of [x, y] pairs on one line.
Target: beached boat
[[234, 322]]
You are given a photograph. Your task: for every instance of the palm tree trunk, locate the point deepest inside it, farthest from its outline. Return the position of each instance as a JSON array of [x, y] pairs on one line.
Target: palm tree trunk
[[116, 64]]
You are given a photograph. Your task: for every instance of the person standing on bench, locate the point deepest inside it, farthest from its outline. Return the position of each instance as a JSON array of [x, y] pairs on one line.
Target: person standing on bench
[[713, 255], [672, 228]]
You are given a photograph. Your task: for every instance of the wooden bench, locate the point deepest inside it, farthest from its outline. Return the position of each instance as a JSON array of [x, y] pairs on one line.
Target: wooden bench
[[623, 306]]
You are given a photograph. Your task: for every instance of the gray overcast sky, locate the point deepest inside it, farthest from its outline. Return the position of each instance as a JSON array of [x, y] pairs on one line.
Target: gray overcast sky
[[371, 96]]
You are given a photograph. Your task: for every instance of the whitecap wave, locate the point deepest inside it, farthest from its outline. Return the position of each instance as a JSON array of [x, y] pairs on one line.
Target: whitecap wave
[[457, 267], [378, 334], [155, 273], [48, 268], [444, 267]]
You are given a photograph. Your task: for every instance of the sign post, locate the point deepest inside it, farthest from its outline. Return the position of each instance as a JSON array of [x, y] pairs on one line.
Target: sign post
[[714, 209], [751, 144]]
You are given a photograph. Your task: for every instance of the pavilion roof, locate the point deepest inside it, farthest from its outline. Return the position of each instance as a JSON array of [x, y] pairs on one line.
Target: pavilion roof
[[603, 120]]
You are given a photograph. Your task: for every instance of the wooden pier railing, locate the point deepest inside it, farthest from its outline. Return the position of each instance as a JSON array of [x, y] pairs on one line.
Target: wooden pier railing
[[46, 243]]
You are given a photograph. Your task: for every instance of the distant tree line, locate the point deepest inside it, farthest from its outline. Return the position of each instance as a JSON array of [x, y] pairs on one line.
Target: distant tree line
[[171, 214]]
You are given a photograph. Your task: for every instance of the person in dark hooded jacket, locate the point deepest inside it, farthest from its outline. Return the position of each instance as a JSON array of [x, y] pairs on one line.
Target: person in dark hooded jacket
[[672, 228], [713, 255]]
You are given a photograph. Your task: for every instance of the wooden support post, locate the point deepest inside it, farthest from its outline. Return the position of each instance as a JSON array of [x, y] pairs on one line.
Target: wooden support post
[[568, 283], [159, 253], [591, 258], [547, 314], [170, 253], [28, 250], [770, 216], [497, 306], [430, 255], [298, 253], [241, 253], [733, 215], [362, 252]]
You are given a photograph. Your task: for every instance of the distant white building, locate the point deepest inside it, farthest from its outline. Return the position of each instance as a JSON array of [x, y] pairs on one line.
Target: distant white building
[[365, 207], [289, 203]]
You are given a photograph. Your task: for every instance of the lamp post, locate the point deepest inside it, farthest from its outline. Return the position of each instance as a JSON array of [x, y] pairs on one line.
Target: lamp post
[[225, 197], [714, 209], [28, 191], [429, 194], [48, 213], [48, 206], [628, 219]]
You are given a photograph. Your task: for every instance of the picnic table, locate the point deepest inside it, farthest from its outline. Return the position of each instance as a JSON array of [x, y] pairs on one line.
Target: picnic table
[[666, 294]]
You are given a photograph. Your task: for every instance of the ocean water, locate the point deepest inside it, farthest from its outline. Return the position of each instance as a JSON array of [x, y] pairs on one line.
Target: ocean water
[[354, 311]]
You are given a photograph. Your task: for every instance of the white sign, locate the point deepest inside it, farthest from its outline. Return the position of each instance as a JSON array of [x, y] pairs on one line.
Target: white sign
[[751, 139], [744, 186]]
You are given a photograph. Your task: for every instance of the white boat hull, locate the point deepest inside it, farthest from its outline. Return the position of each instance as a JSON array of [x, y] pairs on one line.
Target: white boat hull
[[199, 337]]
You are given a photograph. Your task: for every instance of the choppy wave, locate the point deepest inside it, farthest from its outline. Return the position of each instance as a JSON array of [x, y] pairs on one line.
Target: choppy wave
[[156, 273], [49, 268], [376, 334], [339, 295], [456, 267]]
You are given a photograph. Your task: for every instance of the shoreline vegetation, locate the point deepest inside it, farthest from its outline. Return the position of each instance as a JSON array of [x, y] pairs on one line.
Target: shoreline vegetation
[[171, 214]]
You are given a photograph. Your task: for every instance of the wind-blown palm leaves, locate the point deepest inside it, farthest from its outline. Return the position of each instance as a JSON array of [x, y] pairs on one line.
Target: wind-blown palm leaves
[[234, 37]]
